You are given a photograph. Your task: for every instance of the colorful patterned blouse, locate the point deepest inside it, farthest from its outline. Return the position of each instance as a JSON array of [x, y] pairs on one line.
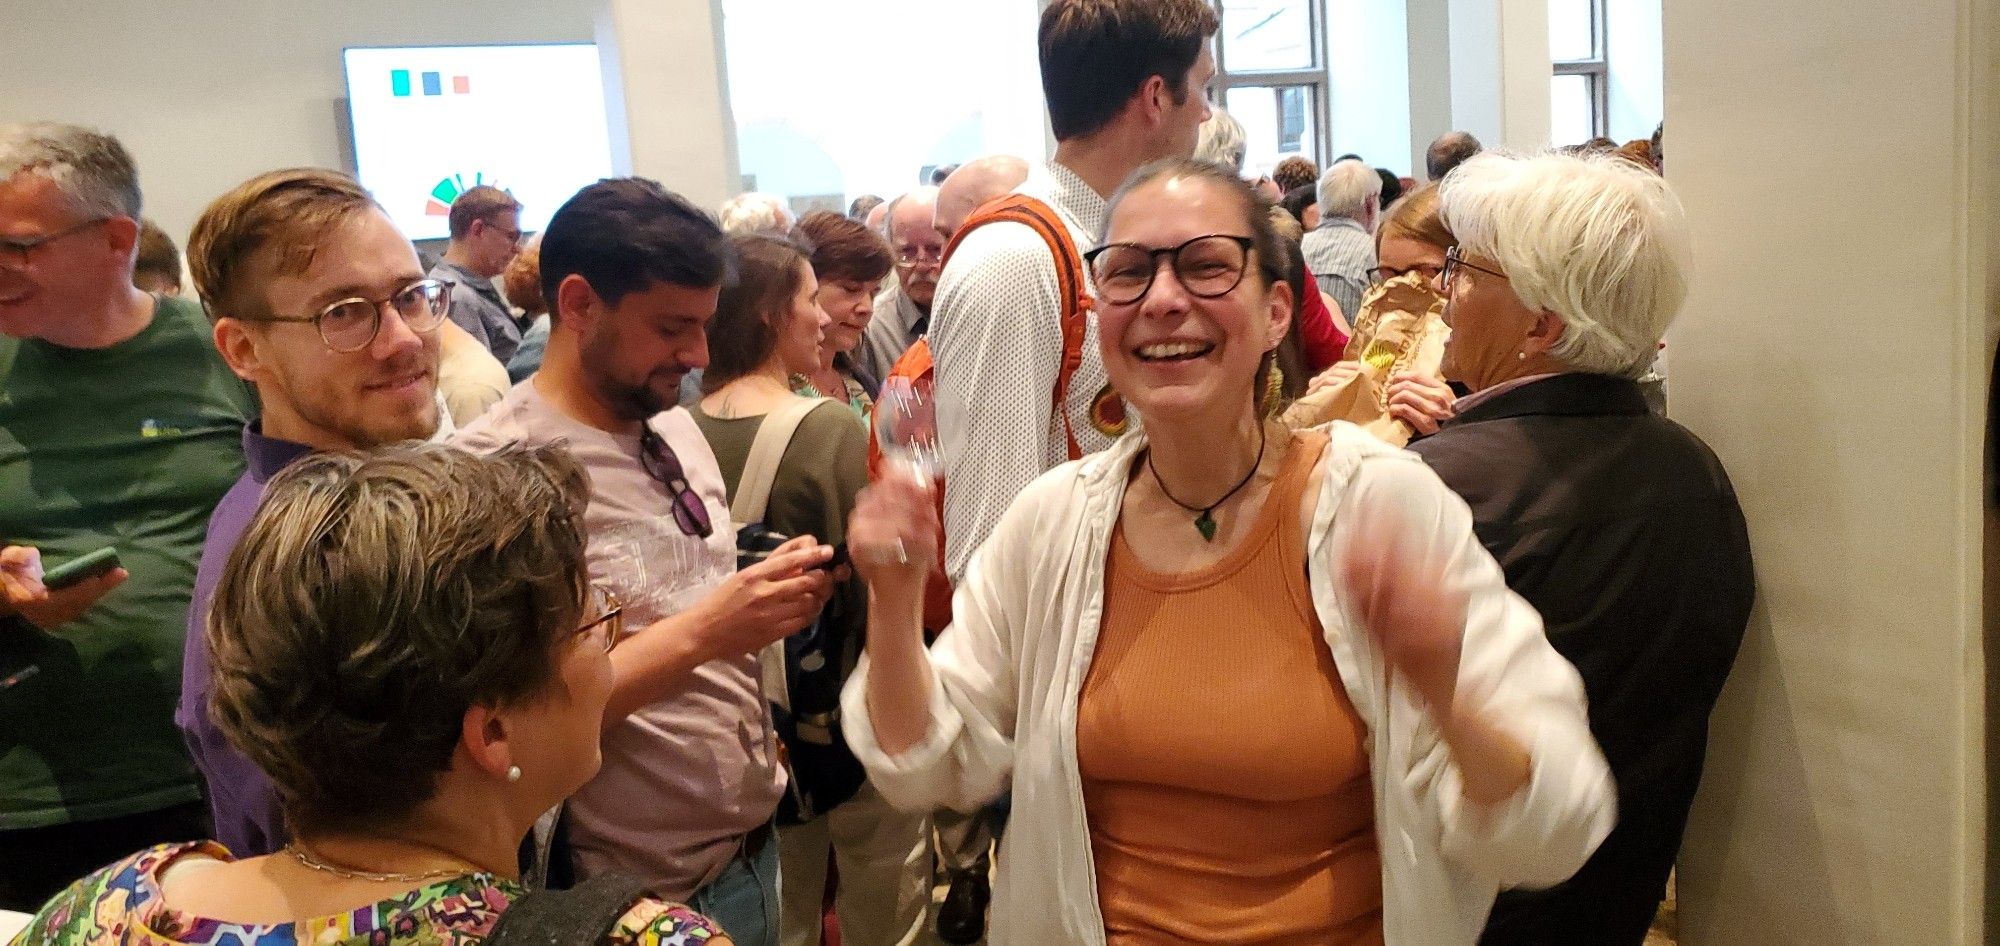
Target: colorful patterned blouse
[[120, 906]]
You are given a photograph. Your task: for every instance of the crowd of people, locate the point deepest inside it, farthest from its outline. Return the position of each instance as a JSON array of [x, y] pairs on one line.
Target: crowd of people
[[577, 569]]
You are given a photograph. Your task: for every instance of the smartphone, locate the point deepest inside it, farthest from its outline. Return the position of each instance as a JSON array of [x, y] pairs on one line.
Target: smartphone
[[81, 568]]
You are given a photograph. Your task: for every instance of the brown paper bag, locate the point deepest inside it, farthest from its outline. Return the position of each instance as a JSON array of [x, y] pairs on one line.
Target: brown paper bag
[[1400, 328]]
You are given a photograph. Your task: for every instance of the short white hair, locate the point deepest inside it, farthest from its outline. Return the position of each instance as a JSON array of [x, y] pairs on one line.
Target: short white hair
[[91, 169], [1595, 239], [755, 212], [1346, 188], [1221, 141]]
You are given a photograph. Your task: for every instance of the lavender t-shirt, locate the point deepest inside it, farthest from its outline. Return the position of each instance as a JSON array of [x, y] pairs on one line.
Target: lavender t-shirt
[[684, 778]]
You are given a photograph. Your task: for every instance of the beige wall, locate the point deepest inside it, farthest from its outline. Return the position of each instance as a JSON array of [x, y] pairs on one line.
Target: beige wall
[[1838, 165], [668, 94], [206, 94]]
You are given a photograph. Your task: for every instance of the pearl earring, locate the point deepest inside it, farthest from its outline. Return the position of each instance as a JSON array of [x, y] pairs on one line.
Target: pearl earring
[[513, 773], [1521, 355]]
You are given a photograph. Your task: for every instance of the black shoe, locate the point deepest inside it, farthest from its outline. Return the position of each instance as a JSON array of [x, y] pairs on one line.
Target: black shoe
[[961, 918]]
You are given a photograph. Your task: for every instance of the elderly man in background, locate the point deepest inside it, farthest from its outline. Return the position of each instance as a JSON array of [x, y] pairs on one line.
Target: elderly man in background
[[1341, 251], [120, 428], [973, 184], [485, 235], [903, 310], [1450, 150]]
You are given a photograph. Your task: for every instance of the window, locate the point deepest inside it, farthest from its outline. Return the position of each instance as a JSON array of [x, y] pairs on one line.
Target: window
[[1579, 92], [1271, 76]]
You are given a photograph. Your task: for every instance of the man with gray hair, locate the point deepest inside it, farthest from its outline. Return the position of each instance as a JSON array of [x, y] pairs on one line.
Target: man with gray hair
[[1221, 141], [1341, 251], [485, 237], [903, 310], [120, 428], [755, 212]]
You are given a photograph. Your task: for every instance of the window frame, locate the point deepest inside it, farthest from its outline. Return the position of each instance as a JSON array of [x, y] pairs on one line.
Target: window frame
[[1313, 76], [1596, 71]]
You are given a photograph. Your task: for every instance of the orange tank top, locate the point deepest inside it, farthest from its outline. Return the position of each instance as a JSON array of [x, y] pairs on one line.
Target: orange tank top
[[1225, 776]]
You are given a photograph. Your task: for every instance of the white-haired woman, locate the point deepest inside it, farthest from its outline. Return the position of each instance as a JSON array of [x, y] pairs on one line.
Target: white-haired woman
[[1247, 685], [1617, 524]]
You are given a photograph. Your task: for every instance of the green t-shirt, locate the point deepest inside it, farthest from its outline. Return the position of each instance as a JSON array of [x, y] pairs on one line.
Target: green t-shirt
[[129, 446]]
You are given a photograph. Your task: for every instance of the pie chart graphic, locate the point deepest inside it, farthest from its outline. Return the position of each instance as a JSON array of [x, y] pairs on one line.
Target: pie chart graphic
[[448, 189]]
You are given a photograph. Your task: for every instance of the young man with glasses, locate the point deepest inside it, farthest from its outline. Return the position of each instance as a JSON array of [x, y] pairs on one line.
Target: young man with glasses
[[119, 427], [320, 303], [691, 778], [485, 224]]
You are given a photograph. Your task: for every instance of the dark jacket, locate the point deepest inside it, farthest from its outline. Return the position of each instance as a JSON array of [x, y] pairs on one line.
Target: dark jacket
[[1621, 528]]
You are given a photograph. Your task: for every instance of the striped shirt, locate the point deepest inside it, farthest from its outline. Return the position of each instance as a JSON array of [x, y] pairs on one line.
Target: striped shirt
[[1340, 252]]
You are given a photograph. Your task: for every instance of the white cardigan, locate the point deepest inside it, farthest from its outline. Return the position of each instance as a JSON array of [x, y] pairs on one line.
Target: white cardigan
[[1009, 671]]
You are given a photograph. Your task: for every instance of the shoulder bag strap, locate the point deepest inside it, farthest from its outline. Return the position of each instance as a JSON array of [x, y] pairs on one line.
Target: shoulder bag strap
[[1070, 286], [583, 915]]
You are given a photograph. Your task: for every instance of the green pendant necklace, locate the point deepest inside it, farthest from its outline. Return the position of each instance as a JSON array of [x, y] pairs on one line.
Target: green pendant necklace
[[1204, 521]]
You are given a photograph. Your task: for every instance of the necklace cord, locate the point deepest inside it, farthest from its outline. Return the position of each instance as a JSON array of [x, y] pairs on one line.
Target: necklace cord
[[1207, 511]]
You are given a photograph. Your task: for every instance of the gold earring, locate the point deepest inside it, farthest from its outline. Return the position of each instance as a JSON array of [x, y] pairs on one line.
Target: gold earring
[[1274, 390]]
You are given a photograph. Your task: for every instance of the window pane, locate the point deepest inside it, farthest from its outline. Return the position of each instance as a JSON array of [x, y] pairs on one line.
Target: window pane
[[1277, 121], [1570, 31], [1572, 111], [1263, 35]]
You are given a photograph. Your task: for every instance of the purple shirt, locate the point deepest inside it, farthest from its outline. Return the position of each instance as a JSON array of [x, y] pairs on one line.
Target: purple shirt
[[242, 798]]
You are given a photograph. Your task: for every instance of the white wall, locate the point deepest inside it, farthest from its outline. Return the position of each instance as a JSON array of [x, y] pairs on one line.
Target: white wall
[[1368, 71], [1500, 71], [1638, 77], [1834, 353], [666, 89], [207, 94]]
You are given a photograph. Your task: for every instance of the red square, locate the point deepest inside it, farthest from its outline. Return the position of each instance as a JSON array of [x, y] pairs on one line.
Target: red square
[[461, 85]]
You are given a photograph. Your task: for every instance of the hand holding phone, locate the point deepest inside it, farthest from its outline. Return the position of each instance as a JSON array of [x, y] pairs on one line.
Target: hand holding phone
[[32, 594]]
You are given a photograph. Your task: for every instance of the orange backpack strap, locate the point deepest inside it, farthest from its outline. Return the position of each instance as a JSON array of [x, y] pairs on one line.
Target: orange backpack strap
[[1070, 286]]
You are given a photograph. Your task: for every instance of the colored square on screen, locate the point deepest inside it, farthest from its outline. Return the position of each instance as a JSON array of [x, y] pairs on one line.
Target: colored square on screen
[[433, 84], [461, 85], [399, 82]]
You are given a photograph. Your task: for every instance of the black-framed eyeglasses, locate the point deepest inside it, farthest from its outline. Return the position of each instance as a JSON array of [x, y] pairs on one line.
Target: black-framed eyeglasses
[[610, 616], [351, 324], [1386, 273], [690, 513], [1453, 260], [1207, 266], [18, 253]]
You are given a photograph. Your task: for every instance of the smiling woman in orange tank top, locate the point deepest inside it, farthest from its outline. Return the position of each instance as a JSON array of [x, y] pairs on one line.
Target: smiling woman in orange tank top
[[1247, 685]]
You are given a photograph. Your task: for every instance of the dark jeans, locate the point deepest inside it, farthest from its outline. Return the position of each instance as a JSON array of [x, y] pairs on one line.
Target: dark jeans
[[40, 862]]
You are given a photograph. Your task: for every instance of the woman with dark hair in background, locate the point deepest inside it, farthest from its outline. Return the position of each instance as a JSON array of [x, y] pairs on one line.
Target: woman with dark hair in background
[[849, 261], [766, 329]]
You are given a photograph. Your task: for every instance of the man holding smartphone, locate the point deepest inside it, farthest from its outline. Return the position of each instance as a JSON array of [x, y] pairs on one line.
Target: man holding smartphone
[[119, 427], [690, 779], [318, 301]]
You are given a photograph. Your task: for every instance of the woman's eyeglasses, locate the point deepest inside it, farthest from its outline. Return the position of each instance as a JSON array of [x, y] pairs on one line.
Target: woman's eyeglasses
[[351, 324], [1386, 273], [1208, 267], [690, 513], [610, 616], [1453, 260]]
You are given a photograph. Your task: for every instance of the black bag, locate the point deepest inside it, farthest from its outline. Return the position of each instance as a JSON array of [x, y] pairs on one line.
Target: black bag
[[805, 706], [824, 772], [580, 916]]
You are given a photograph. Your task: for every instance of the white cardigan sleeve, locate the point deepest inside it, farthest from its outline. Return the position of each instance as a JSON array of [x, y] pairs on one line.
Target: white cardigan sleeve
[[1509, 673], [967, 755]]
